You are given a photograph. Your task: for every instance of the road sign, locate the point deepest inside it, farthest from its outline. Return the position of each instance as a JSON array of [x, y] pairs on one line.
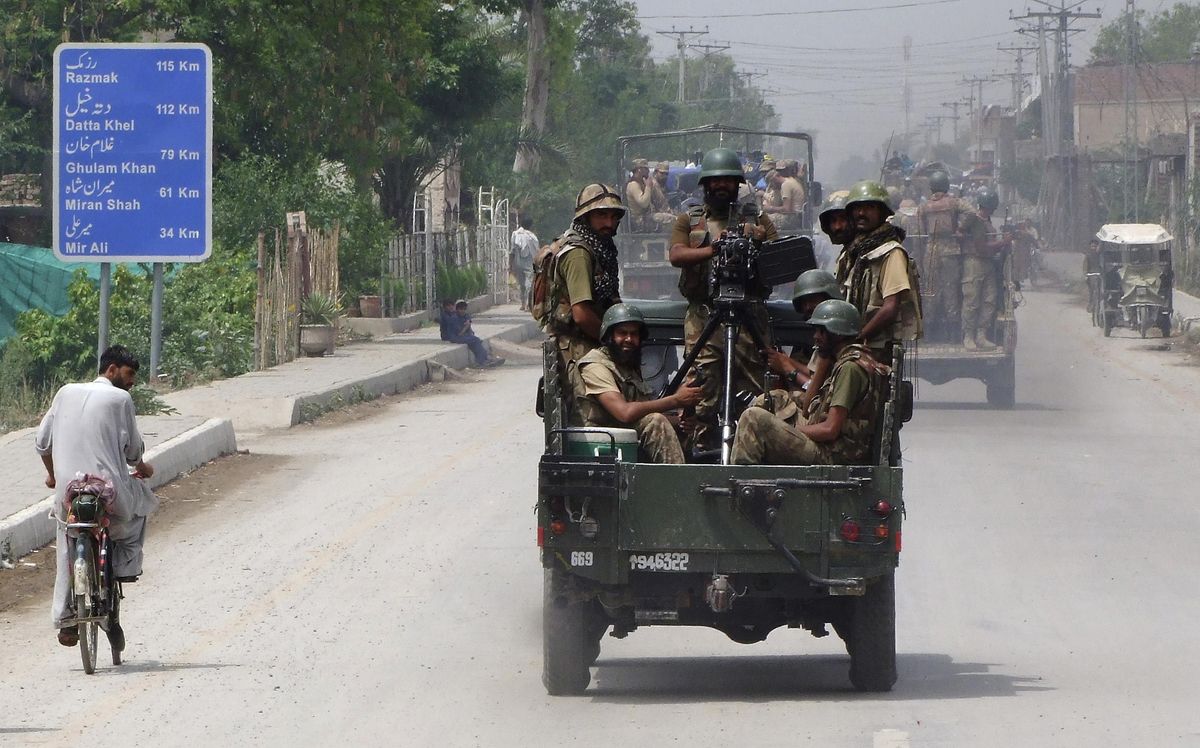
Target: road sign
[[132, 152]]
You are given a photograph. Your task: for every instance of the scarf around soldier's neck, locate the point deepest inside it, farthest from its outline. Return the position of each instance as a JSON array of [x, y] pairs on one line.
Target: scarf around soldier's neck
[[605, 282], [883, 234]]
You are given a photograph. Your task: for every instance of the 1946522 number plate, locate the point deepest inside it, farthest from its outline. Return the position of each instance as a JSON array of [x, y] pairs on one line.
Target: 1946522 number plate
[[658, 562]]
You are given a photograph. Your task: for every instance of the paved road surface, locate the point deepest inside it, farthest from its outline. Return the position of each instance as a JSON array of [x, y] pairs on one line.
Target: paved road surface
[[376, 581]]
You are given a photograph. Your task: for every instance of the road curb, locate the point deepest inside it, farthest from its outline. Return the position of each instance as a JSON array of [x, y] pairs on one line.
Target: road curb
[[30, 528], [396, 379]]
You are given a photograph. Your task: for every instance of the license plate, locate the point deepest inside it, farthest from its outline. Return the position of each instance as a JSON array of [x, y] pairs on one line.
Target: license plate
[[658, 562]]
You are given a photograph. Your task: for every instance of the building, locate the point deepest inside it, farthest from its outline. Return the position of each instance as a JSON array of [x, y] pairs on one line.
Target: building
[[1163, 96]]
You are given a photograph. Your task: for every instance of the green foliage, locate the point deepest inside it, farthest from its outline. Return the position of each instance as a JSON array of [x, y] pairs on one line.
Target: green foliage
[[1026, 177], [252, 194], [319, 309], [460, 283], [1165, 36]]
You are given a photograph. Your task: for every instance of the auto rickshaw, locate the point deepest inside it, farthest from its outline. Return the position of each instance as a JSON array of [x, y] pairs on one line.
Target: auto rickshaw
[[1135, 278]]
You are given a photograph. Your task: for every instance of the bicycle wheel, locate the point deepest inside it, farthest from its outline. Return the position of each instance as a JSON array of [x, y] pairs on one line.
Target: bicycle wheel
[[84, 603], [114, 617]]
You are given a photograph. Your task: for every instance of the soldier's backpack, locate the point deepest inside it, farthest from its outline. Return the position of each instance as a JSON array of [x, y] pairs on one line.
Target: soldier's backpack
[[539, 302]]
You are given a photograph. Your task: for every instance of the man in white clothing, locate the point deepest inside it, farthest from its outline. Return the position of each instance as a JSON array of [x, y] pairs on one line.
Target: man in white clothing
[[91, 429], [524, 249]]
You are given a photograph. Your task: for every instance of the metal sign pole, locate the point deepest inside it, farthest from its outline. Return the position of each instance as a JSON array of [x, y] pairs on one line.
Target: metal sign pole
[[105, 290], [156, 321]]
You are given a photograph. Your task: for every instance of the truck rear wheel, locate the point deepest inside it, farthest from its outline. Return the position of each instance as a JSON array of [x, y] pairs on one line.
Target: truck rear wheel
[[872, 636], [568, 646]]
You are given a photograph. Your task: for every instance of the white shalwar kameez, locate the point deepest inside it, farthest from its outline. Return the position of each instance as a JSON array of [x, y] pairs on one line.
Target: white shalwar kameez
[[92, 428]]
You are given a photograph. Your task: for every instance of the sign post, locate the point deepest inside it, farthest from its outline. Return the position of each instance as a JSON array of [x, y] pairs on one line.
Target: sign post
[[132, 159]]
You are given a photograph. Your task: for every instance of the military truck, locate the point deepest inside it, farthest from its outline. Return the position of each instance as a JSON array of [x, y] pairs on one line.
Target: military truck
[[741, 549], [646, 272], [942, 358]]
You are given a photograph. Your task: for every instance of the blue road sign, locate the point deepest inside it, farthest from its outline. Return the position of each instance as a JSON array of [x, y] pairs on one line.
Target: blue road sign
[[132, 152]]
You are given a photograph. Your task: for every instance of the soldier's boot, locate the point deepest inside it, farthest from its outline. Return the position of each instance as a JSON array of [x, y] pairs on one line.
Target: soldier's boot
[[969, 343], [981, 340]]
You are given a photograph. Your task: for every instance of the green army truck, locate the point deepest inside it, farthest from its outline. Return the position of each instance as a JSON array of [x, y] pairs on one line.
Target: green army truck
[[741, 549]]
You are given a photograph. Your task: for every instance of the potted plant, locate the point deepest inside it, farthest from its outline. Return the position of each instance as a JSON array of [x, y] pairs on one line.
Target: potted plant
[[318, 334]]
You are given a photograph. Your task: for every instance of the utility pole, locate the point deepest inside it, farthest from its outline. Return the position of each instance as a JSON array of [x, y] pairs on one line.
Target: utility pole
[[1018, 78], [1062, 15], [748, 82], [709, 51], [1129, 184], [682, 45], [954, 105], [934, 123], [907, 88], [977, 112]]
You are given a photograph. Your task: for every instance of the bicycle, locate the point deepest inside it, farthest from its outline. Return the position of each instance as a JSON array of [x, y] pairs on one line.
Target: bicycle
[[97, 592]]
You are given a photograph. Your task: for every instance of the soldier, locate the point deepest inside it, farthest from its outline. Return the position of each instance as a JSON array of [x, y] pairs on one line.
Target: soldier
[[658, 193], [982, 250], [791, 196], [812, 288], [610, 390], [583, 280], [939, 219], [692, 238], [639, 193], [839, 431], [836, 224], [881, 282]]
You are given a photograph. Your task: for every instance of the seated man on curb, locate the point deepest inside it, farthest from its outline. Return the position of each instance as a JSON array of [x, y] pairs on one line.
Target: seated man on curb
[[842, 421], [456, 328], [611, 393]]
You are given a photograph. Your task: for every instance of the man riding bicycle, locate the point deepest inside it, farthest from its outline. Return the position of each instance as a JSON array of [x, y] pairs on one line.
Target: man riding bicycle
[[91, 428]]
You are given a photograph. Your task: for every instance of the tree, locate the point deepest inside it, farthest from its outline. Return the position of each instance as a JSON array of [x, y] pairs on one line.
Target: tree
[[1166, 36]]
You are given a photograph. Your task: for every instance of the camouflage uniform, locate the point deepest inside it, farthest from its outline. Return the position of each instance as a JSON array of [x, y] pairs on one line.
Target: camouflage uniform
[[980, 280], [581, 272], [939, 219], [699, 228], [880, 269], [597, 373], [765, 438]]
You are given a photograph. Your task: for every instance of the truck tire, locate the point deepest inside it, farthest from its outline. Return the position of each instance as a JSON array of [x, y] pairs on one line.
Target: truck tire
[[1002, 385], [872, 636], [567, 644]]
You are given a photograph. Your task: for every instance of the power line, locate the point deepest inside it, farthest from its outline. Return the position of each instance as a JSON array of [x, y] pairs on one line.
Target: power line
[[681, 45]]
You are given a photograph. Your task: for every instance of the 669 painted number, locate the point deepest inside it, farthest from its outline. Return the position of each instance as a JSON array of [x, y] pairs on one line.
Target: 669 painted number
[[582, 558], [658, 562]]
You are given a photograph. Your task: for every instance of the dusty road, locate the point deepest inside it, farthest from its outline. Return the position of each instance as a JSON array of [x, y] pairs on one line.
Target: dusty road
[[376, 582]]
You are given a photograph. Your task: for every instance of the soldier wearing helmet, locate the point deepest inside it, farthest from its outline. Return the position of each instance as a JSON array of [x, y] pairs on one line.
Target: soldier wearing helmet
[[812, 288], [692, 239], [982, 248], [940, 220], [880, 279], [583, 273], [610, 391], [840, 429]]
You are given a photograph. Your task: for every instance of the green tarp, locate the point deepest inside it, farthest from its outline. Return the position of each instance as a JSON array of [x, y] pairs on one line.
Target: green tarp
[[33, 278]]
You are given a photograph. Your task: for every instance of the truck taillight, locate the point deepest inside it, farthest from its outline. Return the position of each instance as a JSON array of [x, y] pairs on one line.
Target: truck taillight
[[541, 536], [897, 536], [558, 527], [850, 531], [882, 508]]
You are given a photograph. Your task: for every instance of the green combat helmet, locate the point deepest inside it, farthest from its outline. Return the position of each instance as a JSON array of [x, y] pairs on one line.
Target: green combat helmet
[[988, 199], [939, 181], [833, 204], [837, 317], [597, 196], [721, 162], [618, 314], [868, 191], [813, 282]]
